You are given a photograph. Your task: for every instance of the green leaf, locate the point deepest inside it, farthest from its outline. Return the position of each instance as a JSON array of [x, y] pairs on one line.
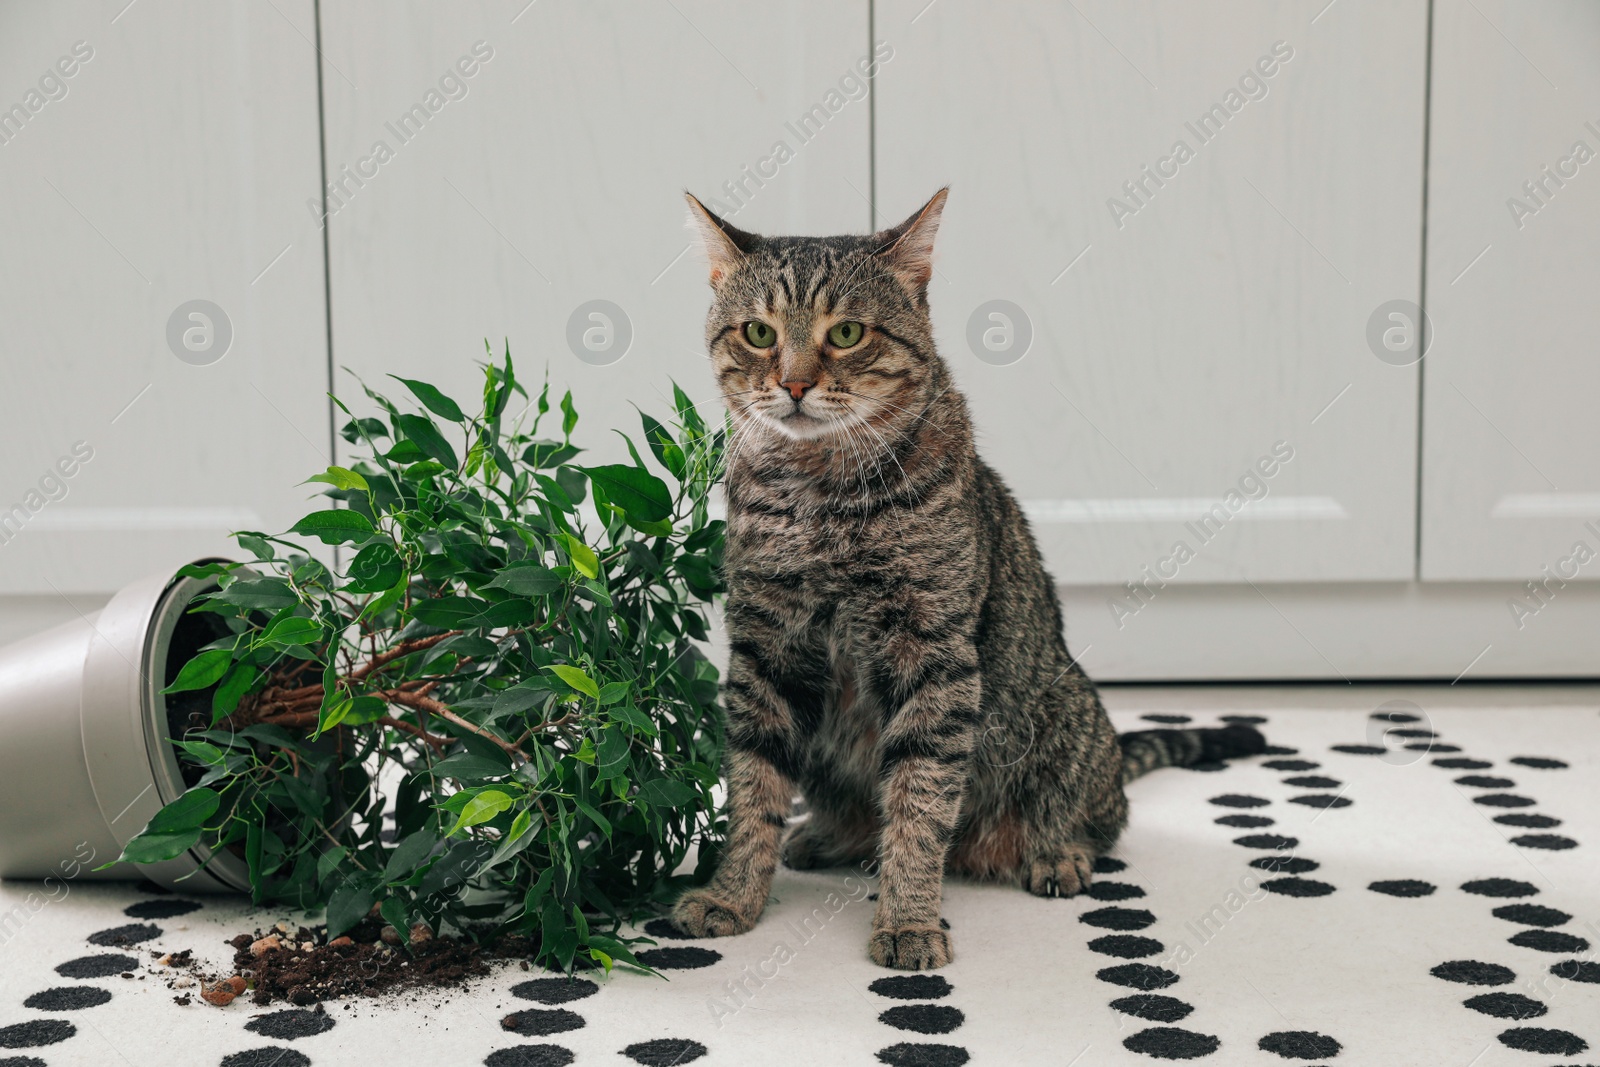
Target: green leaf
[[335, 527], [203, 752], [569, 415], [409, 854], [349, 905], [542, 455], [481, 808], [466, 765], [667, 451], [637, 492], [258, 594], [583, 557], [340, 478], [575, 678], [175, 828], [421, 430], [526, 579], [294, 630], [666, 793], [202, 671], [357, 430], [433, 400], [150, 847], [238, 681]]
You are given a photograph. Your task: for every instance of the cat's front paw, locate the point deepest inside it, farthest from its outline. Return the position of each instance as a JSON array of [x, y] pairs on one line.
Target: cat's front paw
[[911, 948], [1064, 875], [701, 913]]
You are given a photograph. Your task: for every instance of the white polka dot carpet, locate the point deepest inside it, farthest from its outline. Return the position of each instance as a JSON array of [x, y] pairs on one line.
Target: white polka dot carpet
[[1376, 890]]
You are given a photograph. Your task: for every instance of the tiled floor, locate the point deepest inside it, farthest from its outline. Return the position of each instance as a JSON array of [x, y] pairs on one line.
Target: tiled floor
[[1362, 899]]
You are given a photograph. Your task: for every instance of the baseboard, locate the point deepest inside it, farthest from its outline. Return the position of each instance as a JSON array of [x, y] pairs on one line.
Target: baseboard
[[1435, 631]]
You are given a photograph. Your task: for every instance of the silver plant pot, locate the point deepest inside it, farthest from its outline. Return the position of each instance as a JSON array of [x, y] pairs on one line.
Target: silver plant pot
[[84, 754]]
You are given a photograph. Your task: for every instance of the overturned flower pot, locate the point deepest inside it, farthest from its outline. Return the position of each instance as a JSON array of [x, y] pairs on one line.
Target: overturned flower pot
[[84, 757]]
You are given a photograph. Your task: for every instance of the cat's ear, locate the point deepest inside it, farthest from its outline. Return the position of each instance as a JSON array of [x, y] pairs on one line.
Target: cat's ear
[[725, 244], [907, 249]]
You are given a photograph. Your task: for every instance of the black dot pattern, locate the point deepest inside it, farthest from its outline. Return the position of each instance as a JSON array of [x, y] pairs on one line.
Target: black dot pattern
[[1171, 1043], [1153, 1007], [1539, 763], [1404, 887], [1462, 763], [1395, 716], [665, 1052], [1297, 887], [1578, 971], [1485, 781], [923, 1018], [912, 987], [1108, 865], [664, 929], [1549, 941], [119, 936], [1272, 841], [1504, 800], [555, 990], [1500, 887], [36, 1033], [1360, 750], [291, 1024], [1524, 819], [1285, 864], [1547, 841], [1127, 946], [678, 958], [1172, 720], [1113, 891], [1137, 976], [1474, 972], [104, 965], [907, 1054], [68, 998], [270, 1056], [1531, 915], [1549, 1042], [1245, 720], [1506, 1005], [1245, 822], [1118, 918], [1290, 765], [161, 908], [542, 1022], [1300, 1045], [525, 1056], [1280, 750], [1236, 800], [1432, 746], [1322, 800], [1313, 781]]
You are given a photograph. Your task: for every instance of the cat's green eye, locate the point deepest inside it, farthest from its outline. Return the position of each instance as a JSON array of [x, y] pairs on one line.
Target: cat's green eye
[[760, 334], [846, 334]]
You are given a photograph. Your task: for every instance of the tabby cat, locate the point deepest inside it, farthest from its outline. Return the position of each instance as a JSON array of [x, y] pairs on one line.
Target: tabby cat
[[896, 649]]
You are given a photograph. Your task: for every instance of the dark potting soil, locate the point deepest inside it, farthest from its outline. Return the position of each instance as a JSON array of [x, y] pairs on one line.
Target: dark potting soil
[[363, 967]]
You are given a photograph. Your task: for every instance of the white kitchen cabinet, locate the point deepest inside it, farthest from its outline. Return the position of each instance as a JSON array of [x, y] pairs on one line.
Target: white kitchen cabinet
[[1510, 486], [159, 172], [1197, 207], [552, 176]]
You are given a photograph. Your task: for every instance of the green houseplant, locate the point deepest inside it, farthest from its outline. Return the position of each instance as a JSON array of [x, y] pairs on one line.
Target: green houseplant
[[502, 661]]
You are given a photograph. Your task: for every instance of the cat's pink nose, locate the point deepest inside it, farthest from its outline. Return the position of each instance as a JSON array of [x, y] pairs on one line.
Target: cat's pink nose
[[797, 389]]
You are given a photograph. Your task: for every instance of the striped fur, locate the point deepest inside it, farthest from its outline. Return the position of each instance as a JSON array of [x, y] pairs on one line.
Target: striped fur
[[896, 648]]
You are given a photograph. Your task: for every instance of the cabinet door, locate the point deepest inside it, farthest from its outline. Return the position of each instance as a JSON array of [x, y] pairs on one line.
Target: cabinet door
[[551, 177], [1510, 439], [161, 290], [1195, 210]]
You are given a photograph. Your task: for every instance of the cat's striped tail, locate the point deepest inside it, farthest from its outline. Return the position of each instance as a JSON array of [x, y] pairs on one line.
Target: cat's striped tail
[[1146, 750]]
